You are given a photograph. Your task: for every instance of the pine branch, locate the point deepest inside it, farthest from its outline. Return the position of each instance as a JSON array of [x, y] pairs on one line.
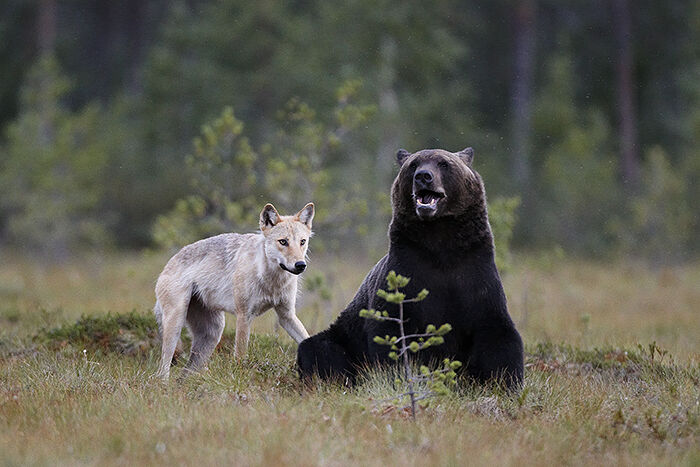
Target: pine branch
[[439, 380]]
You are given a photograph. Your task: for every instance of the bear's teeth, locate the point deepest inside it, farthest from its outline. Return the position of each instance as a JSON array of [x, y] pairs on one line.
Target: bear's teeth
[[427, 200]]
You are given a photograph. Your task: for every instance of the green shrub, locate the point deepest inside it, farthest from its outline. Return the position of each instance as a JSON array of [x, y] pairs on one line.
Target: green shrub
[[502, 218], [427, 382], [230, 180], [52, 169], [661, 224], [131, 333]]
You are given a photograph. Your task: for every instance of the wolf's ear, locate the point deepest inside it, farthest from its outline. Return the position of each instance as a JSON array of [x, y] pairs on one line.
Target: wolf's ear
[[401, 156], [306, 215], [269, 217], [467, 155]]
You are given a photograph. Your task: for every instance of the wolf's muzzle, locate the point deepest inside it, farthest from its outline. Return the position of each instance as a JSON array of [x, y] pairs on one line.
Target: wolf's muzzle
[[299, 267]]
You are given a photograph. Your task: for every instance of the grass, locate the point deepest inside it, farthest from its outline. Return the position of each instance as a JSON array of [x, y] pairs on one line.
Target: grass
[[612, 377]]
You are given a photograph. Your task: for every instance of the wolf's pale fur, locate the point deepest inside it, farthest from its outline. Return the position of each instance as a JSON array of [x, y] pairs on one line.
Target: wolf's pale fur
[[245, 274]]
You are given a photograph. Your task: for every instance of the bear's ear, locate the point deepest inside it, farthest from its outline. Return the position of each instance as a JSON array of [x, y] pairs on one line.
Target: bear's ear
[[467, 155], [269, 217], [401, 156]]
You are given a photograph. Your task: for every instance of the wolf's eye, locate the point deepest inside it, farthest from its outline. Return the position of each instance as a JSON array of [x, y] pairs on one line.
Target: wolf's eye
[[283, 242], [303, 241]]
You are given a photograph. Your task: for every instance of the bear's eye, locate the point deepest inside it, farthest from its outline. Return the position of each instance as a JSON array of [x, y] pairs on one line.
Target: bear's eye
[[442, 164], [413, 165], [283, 242], [303, 241]]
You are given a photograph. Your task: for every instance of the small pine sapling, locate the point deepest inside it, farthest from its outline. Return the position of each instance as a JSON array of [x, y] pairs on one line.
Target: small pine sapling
[[437, 381]]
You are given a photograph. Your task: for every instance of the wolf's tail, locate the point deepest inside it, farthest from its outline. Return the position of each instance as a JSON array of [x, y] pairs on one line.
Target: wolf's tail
[[158, 311]]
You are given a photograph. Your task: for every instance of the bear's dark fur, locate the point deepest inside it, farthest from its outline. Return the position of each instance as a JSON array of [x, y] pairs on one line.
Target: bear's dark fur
[[440, 238]]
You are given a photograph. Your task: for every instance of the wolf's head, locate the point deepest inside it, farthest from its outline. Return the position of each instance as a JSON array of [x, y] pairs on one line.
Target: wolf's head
[[287, 237]]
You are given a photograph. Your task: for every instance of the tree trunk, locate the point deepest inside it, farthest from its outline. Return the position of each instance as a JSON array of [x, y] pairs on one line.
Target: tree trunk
[[525, 16], [389, 137], [136, 12], [46, 42], [388, 110], [56, 244], [629, 148], [46, 26]]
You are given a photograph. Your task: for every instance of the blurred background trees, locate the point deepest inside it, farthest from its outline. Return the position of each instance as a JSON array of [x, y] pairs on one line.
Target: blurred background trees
[[117, 128]]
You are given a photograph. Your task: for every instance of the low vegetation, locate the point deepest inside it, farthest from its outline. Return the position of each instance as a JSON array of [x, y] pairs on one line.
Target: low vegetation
[[76, 386]]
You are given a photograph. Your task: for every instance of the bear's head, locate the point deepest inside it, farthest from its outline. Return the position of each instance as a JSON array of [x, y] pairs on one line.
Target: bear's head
[[434, 183]]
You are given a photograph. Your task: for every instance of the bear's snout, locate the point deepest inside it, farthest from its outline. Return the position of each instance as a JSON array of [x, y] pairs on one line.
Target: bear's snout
[[427, 190], [423, 178]]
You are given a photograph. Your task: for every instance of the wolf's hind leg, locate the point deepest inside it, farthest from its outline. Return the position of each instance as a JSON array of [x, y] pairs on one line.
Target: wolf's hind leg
[[206, 327], [170, 312], [158, 310]]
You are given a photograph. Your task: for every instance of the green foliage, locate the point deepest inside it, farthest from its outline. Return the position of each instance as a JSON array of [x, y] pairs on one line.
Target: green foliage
[[437, 382], [52, 169], [197, 57], [661, 223], [285, 50], [224, 184], [396, 281], [502, 218], [194, 47], [231, 180], [577, 168], [131, 333], [396, 297]]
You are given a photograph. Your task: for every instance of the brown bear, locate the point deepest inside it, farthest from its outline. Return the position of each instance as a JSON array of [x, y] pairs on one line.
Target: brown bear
[[439, 237]]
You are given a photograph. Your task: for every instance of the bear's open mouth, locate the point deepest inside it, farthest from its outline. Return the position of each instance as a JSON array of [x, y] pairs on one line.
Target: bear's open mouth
[[427, 199]]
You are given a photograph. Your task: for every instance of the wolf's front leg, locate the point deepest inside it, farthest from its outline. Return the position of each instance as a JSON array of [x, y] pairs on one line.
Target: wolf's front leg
[[243, 320], [289, 321]]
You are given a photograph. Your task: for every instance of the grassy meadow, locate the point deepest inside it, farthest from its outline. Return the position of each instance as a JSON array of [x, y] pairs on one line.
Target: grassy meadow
[[612, 376]]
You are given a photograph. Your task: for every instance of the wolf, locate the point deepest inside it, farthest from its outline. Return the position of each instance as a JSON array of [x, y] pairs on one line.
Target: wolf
[[245, 274]]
